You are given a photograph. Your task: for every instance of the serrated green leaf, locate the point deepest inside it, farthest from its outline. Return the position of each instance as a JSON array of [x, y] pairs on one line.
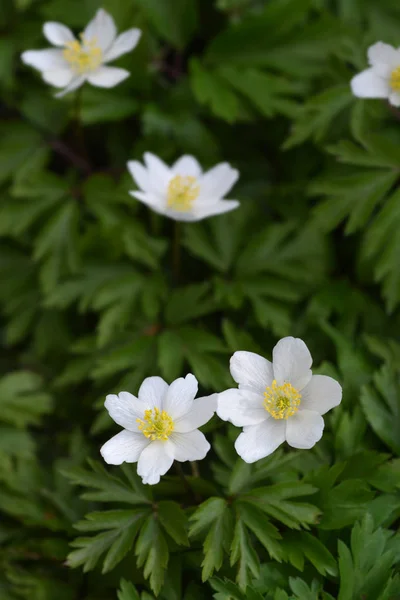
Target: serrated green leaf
[[174, 521]]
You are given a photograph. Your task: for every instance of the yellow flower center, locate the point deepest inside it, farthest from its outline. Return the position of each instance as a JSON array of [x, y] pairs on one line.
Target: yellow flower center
[[156, 424], [182, 192], [83, 56], [281, 401], [395, 80]]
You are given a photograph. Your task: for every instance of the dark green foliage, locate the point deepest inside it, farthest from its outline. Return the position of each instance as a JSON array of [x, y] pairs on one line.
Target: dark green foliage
[[90, 303]]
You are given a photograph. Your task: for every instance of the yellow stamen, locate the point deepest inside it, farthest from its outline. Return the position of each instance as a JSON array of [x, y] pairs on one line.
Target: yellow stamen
[[182, 192], [395, 80], [156, 424], [83, 56], [281, 401]]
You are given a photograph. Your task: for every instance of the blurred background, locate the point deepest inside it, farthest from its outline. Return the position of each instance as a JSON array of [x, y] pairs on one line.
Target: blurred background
[[89, 303]]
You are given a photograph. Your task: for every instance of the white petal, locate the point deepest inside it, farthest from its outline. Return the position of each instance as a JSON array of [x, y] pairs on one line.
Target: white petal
[[304, 429], [152, 392], [241, 407], [178, 400], [211, 210], [218, 181], [124, 447], [155, 460], [57, 33], [384, 58], [58, 77], [107, 77], [125, 408], [124, 43], [258, 441], [139, 174], [250, 370], [75, 83], [201, 412], [369, 85], [150, 200], [394, 98], [158, 171], [102, 29], [291, 361], [176, 215], [44, 60], [321, 394], [187, 166], [189, 446]]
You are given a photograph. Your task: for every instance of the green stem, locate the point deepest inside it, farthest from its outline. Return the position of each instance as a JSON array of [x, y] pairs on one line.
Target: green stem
[[195, 469], [176, 256], [186, 483], [77, 110]]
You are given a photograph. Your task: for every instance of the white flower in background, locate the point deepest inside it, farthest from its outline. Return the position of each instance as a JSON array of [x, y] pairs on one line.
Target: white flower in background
[[277, 401], [183, 192], [382, 79], [76, 61], [160, 426]]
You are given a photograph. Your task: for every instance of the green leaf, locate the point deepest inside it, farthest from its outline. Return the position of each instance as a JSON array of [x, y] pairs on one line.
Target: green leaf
[[107, 487], [354, 196], [122, 528], [174, 521], [266, 533], [302, 590], [174, 20], [127, 591], [57, 245], [22, 401], [20, 147], [100, 106], [381, 407], [190, 302], [274, 500], [267, 93], [242, 552], [214, 516], [211, 89], [318, 116], [313, 549], [346, 590], [152, 553], [16, 443]]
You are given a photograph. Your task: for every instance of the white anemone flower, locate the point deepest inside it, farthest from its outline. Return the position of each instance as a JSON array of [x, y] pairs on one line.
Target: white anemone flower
[[277, 401], [183, 192], [382, 79], [74, 61], [160, 426]]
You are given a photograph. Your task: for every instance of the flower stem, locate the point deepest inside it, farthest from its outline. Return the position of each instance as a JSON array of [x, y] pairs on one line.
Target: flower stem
[[195, 469], [176, 252], [77, 110], [186, 483]]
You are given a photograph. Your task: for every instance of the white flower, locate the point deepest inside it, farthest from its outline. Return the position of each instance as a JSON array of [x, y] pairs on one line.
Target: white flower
[[183, 192], [277, 401], [160, 426], [76, 61], [382, 79]]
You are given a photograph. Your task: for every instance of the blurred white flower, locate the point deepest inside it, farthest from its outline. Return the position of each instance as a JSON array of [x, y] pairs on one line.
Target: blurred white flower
[[277, 401], [76, 61], [160, 426], [382, 79], [183, 192]]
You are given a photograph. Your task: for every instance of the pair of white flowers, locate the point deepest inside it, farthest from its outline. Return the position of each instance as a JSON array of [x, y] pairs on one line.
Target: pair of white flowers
[[275, 401], [182, 192], [74, 61]]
